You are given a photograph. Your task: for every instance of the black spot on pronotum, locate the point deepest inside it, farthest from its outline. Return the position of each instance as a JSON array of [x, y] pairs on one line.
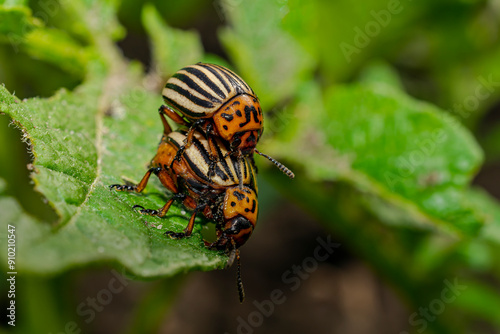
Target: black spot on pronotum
[[239, 195], [233, 204], [254, 205], [225, 127], [227, 117], [249, 111], [238, 113]]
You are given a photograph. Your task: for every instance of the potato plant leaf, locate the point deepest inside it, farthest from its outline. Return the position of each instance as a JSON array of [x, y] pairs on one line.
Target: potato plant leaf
[[82, 142], [172, 48]]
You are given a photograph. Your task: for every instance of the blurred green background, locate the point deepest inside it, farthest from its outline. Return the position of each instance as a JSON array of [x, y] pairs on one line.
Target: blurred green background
[[387, 111]]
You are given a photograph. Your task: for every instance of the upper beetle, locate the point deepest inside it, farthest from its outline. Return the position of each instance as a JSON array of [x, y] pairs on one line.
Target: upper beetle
[[219, 102]]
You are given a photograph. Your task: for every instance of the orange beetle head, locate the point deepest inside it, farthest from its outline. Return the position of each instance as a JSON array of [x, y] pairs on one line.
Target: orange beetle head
[[238, 231], [245, 141], [240, 210]]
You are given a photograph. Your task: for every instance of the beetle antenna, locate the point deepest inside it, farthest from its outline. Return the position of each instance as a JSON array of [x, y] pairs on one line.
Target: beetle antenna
[[232, 256], [278, 164], [241, 291]]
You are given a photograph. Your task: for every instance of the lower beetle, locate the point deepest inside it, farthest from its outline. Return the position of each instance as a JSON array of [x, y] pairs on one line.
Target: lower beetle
[[229, 196]]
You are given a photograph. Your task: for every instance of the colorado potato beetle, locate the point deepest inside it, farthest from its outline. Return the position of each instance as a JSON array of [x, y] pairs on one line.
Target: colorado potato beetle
[[229, 197], [217, 101]]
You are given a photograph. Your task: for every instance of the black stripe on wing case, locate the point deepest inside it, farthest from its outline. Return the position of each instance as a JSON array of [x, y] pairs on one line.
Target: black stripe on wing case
[[183, 110], [240, 85], [195, 169], [194, 86], [203, 77], [196, 100], [223, 162], [202, 150], [206, 157], [216, 73]]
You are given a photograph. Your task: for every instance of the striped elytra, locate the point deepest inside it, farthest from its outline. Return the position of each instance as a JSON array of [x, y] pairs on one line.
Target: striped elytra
[[227, 170], [218, 100], [199, 90]]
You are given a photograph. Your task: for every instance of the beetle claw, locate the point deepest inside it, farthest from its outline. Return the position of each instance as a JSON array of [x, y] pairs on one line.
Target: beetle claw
[[175, 235], [149, 212]]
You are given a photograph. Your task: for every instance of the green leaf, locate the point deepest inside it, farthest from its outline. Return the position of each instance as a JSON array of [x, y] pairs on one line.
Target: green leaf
[[172, 48], [11, 3], [415, 231], [490, 141], [82, 142], [491, 209], [380, 73], [15, 23], [58, 48], [481, 300], [472, 88], [343, 36], [408, 154], [26, 34], [267, 57], [418, 154], [95, 19]]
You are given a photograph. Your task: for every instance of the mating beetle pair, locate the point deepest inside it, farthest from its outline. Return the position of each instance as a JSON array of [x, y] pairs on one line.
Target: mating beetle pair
[[208, 165]]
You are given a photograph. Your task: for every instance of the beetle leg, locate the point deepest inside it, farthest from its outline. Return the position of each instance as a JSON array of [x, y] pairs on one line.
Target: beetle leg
[[164, 209], [188, 141], [189, 228], [165, 110], [139, 187], [169, 183], [166, 127], [159, 213], [165, 179]]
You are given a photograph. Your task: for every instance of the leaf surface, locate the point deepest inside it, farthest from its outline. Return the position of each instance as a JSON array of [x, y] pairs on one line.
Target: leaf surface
[[80, 148]]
